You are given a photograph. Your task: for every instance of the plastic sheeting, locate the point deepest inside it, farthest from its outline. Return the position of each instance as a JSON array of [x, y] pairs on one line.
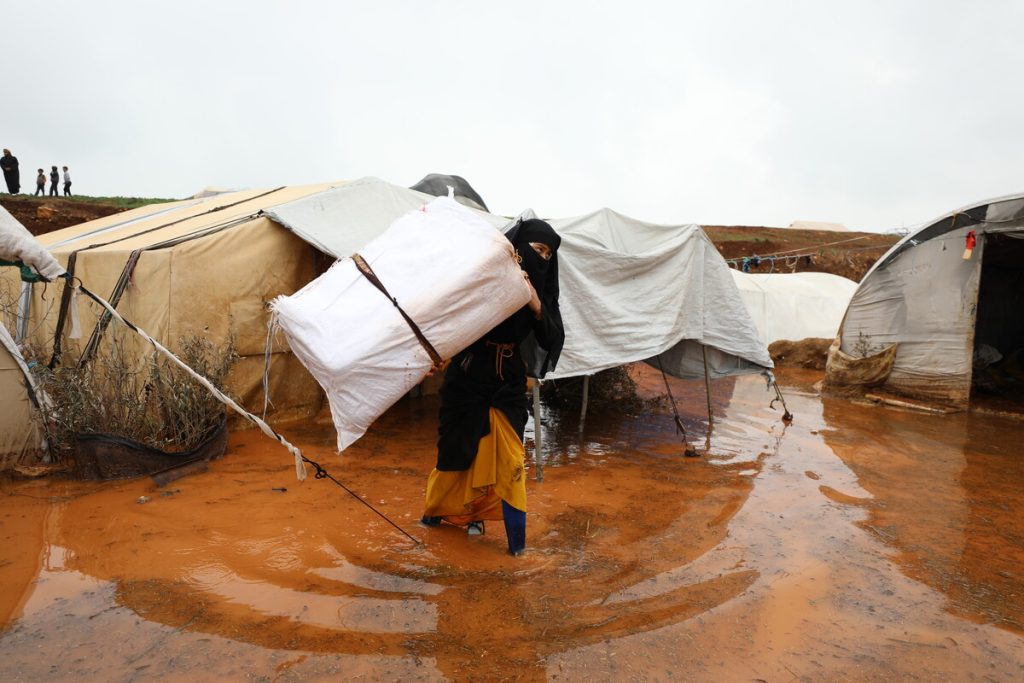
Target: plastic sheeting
[[449, 270], [633, 290], [794, 306]]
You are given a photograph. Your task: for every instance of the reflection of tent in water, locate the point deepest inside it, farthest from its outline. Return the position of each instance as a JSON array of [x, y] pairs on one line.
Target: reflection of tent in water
[[944, 291], [630, 290]]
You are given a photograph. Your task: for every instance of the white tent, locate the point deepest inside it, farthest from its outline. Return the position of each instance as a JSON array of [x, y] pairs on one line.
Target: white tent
[[794, 306], [920, 312]]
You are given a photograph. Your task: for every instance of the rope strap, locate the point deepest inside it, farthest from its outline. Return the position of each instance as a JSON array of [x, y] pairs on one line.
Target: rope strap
[[367, 271], [300, 460]]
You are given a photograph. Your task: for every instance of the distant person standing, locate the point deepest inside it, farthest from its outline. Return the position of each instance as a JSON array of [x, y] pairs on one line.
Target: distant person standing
[[41, 183], [54, 179], [67, 182], [9, 163]]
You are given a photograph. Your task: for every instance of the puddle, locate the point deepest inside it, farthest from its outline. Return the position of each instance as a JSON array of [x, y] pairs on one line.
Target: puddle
[[854, 543]]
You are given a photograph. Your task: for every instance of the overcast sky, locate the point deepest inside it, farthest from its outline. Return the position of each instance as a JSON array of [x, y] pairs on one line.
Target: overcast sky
[[872, 114]]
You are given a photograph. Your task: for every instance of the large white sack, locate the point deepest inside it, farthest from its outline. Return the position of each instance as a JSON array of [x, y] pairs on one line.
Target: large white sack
[[450, 271]]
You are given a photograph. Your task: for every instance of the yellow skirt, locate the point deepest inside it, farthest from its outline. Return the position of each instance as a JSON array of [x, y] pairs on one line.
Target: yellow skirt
[[496, 474]]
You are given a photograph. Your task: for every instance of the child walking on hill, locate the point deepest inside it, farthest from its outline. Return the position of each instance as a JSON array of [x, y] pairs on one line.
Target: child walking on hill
[[41, 183], [54, 179]]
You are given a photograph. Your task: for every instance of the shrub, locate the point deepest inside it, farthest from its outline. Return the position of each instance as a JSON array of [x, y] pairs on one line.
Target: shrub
[[141, 396]]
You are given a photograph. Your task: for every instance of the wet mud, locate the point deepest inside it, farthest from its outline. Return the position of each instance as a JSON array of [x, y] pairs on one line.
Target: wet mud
[[856, 543]]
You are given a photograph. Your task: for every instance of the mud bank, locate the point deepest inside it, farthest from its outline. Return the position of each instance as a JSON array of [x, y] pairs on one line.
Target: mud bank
[[856, 543]]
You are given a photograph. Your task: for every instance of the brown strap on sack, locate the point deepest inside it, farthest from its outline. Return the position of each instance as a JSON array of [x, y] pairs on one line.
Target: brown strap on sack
[[367, 271]]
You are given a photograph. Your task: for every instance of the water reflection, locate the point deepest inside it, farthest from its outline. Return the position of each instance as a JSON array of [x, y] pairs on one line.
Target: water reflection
[[948, 499]]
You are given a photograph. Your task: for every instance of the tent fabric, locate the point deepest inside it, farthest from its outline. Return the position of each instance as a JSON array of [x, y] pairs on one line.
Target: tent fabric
[[794, 306], [633, 290], [450, 271], [868, 371], [921, 296], [18, 244], [341, 221], [437, 184], [19, 435]]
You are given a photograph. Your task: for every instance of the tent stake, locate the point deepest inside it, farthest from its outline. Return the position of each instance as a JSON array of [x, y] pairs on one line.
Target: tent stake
[[688, 450], [538, 438], [786, 415], [707, 387], [586, 396]]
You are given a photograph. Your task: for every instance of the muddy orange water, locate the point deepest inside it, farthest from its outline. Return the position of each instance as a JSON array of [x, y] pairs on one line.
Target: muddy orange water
[[856, 543]]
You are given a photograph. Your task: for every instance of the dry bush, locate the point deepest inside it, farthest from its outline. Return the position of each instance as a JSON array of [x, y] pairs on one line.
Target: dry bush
[[141, 396], [612, 387]]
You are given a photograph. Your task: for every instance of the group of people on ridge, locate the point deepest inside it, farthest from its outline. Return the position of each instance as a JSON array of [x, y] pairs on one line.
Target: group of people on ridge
[[12, 176]]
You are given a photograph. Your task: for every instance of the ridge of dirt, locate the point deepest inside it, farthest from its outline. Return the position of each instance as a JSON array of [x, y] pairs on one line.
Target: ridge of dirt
[[849, 254], [46, 214]]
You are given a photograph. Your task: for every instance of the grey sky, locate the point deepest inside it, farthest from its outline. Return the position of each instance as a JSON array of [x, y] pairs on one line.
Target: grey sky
[[872, 114]]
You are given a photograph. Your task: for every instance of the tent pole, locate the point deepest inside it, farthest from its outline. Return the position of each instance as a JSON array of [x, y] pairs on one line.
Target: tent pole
[[24, 311], [707, 387], [586, 396], [538, 438]]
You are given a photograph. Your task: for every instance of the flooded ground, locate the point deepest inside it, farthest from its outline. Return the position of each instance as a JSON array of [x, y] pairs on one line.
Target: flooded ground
[[856, 543]]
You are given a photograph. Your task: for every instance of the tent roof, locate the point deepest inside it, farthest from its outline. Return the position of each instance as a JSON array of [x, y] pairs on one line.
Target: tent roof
[[341, 220], [154, 224], [1006, 212]]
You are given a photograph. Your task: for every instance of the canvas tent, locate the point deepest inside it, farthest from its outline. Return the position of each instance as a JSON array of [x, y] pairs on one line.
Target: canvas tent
[[196, 267], [922, 310], [19, 433], [630, 290], [794, 306]]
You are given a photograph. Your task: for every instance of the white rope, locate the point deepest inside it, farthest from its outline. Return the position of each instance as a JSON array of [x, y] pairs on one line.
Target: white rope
[[272, 328], [300, 466]]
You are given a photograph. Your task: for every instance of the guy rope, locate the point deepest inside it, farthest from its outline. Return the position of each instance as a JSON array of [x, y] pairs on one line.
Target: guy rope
[[300, 459]]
